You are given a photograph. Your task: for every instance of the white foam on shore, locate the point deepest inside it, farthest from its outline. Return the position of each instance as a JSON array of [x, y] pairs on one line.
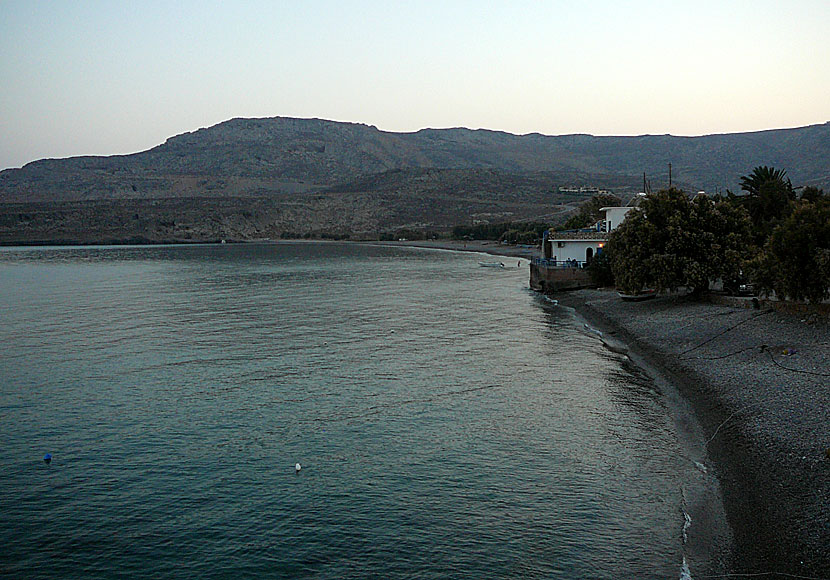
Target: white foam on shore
[[685, 573], [592, 330], [686, 525]]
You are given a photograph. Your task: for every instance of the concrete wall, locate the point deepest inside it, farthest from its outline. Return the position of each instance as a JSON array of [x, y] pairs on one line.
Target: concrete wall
[[549, 280]]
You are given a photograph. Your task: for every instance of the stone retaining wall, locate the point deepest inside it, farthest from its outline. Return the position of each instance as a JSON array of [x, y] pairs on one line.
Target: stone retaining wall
[[549, 280]]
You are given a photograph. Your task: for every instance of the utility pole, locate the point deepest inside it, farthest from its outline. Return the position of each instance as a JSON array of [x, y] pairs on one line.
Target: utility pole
[[669, 174]]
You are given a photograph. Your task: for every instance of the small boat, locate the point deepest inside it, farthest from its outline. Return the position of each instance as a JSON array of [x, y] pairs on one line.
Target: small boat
[[491, 264], [638, 296]]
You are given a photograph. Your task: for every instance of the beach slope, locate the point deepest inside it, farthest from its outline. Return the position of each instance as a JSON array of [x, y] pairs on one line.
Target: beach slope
[[758, 382]]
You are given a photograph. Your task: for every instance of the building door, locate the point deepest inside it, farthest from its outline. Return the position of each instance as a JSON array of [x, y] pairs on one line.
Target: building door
[[589, 255]]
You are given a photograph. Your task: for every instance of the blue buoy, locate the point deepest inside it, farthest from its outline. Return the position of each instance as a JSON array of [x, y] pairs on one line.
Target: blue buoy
[[47, 458]]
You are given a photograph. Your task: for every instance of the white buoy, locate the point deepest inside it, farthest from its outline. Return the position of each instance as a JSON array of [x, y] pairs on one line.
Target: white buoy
[[297, 468]]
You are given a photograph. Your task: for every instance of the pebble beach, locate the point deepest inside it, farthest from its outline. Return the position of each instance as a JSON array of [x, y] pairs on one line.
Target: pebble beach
[[758, 383]]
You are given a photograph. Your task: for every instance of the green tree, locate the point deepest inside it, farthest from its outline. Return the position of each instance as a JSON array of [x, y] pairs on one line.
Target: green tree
[[672, 241], [578, 221], [589, 213], [517, 232], [811, 193], [796, 259]]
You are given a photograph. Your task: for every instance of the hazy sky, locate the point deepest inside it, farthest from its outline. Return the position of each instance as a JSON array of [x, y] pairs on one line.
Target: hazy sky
[[118, 77]]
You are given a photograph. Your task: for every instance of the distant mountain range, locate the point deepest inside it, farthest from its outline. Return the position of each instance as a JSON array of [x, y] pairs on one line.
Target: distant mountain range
[[248, 178]]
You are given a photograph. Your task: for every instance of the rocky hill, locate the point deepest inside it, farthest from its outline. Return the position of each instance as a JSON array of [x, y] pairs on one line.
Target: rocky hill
[[311, 175]]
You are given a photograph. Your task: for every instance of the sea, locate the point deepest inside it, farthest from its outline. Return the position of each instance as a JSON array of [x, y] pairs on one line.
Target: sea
[[447, 421]]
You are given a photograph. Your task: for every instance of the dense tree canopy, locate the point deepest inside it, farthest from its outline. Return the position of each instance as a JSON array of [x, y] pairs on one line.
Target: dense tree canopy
[[796, 259], [811, 193], [514, 232], [672, 241]]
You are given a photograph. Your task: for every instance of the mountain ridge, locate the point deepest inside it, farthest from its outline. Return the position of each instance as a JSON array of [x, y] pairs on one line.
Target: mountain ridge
[[311, 162]]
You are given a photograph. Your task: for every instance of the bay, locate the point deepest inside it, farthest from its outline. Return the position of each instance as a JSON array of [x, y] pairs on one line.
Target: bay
[[450, 423]]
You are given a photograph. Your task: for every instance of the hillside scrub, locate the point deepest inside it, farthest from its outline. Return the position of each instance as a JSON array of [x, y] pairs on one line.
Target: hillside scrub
[[512, 232]]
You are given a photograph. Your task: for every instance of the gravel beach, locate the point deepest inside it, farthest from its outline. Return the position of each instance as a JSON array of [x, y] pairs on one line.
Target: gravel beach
[[757, 381]]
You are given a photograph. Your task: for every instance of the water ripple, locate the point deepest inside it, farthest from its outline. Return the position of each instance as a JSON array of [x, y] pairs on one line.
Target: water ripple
[[449, 423]]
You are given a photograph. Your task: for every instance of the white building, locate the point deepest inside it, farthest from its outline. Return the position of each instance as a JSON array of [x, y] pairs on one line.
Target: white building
[[576, 248], [572, 248], [614, 216]]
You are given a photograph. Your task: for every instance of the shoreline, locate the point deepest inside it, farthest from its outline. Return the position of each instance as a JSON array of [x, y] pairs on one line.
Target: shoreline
[[764, 415], [476, 246], [756, 383]]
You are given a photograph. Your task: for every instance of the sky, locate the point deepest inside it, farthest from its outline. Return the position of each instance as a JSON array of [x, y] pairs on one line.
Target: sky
[[109, 77]]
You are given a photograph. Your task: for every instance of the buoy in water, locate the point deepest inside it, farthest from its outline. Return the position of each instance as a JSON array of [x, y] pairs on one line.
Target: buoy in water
[[297, 468], [47, 458]]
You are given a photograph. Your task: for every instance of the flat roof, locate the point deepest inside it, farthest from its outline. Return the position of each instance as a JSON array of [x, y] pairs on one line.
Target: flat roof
[[587, 236]]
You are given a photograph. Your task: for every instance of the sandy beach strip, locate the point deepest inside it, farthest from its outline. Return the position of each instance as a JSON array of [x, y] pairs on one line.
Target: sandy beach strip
[[480, 246]]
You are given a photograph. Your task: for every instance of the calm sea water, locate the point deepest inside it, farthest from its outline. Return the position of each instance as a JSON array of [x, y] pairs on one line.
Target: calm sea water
[[449, 422]]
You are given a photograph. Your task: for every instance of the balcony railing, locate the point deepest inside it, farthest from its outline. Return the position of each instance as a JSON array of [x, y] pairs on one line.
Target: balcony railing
[[558, 264]]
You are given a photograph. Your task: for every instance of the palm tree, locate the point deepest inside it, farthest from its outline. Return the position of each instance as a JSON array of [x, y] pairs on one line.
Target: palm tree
[[768, 200], [761, 175]]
